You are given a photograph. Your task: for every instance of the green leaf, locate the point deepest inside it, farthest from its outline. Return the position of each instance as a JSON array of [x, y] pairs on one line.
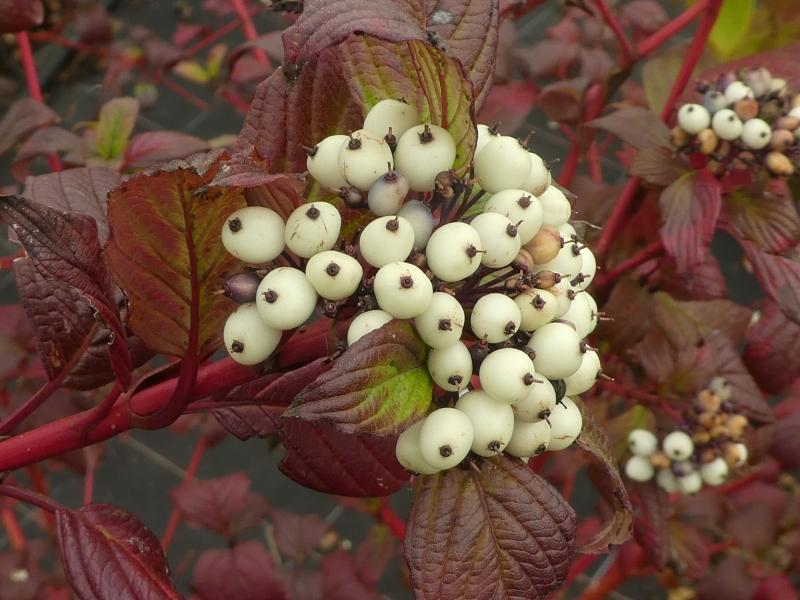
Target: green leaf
[[114, 127], [731, 27], [165, 253], [380, 385]]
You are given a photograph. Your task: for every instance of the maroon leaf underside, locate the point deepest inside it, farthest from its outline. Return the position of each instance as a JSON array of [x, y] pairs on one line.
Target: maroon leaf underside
[[341, 581], [687, 324], [650, 524], [107, 553], [779, 277], [637, 126], [20, 15], [496, 531], [24, 115], [151, 148], [785, 445], [605, 475], [772, 353], [244, 572], [296, 535], [47, 141], [658, 166], [769, 219]]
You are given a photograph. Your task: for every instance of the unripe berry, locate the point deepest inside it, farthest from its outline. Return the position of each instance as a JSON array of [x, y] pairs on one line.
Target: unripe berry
[[507, 375], [323, 162], [445, 438], [758, 79], [693, 118], [690, 483], [558, 350], [334, 275], [402, 290], [450, 367], [566, 422], [726, 124], [387, 194], [492, 421], [779, 164], [586, 375], [499, 239], [242, 287], [638, 468], [363, 158], [756, 134], [454, 251], [746, 109], [286, 299], [714, 101], [545, 245], [715, 472], [419, 216], [539, 177], [248, 339], [707, 141], [736, 91], [538, 403], [555, 206], [387, 113], [253, 234], [678, 445], [408, 451], [312, 228], [502, 164], [485, 135], [667, 481], [521, 208], [529, 439], [422, 153], [537, 308], [365, 323], [495, 318], [781, 140], [442, 322], [386, 240], [642, 442]]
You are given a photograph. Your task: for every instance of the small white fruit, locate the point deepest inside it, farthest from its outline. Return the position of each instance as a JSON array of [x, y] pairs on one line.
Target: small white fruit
[[450, 367], [693, 118], [507, 375], [537, 308], [492, 421], [442, 322], [721, 387], [690, 483], [586, 375], [248, 339], [678, 445], [581, 314], [666, 481], [502, 164], [445, 438], [756, 133], [638, 468], [422, 153], [365, 323], [334, 275], [736, 91], [363, 159], [642, 442], [408, 453], [402, 290], [539, 177], [588, 270], [454, 252], [714, 472], [387, 113], [567, 232], [386, 240], [564, 294], [556, 209], [285, 298], [743, 453], [521, 208], [323, 162], [253, 234], [726, 124], [557, 350], [566, 422], [567, 263], [485, 134], [499, 239], [387, 194], [529, 439], [419, 215], [312, 228], [539, 402], [495, 318]]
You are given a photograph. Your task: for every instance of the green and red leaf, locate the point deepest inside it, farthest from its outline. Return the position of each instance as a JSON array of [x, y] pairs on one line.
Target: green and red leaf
[[114, 127]]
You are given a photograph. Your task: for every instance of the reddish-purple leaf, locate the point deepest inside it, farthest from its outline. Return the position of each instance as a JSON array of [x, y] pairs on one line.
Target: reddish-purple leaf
[[380, 385], [23, 116], [296, 535], [244, 572], [340, 579], [562, 101], [658, 166], [607, 479], [165, 253], [509, 104], [776, 586], [779, 276], [785, 444], [47, 141], [63, 249], [19, 15], [772, 353], [82, 191], [650, 524], [637, 126], [152, 148], [704, 282], [224, 505], [373, 554], [689, 210], [495, 531], [299, 582], [728, 579], [630, 304], [770, 219], [108, 553], [686, 324], [274, 390], [647, 16]]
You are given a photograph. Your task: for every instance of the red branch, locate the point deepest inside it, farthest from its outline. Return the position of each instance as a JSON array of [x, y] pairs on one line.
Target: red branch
[[617, 218], [191, 470], [387, 516], [10, 523], [29, 497], [250, 31], [610, 20], [650, 44], [653, 250]]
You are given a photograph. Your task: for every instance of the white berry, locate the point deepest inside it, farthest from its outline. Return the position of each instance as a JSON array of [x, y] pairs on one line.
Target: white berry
[[502, 164], [521, 208], [485, 135], [567, 263], [678, 445], [312, 228], [408, 452], [365, 323], [253, 234], [248, 339], [387, 194], [714, 100], [364, 158], [495, 318], [422, 153], [386, 240], [499, 239], [737, 91], [445, 438], [396, 114], [323, 163], [743, 453], [450, 367], [492, 421], [581, 314], [564, 294], [642, 442], [756, 133], [557, 350], [334, 275], [538, 403], [721, 387], [285, 298], [566, 422], [638, 468], [714, 472], [454, 251], [690, 483], [537, 308], [419, 216], [539, 177], [402, 290], [588, 270], [442, 322], [529, 439], [726, 124], [693, 118], [556, 209], [507, 375], [666, 481], [586, 375]]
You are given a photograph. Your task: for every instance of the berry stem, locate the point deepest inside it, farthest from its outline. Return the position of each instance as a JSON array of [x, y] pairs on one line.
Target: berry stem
[[668, 31], [191, 470], [625, 47]]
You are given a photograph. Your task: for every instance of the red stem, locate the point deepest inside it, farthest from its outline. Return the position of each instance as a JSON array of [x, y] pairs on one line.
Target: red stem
[[40, 486], [624, 44], [250, 33], [648, 45], [88, 479], [653, 250], [10, 523], [212, 37], [617, 218], [182, 92], [191, 470], [387, 516], [29, 497]]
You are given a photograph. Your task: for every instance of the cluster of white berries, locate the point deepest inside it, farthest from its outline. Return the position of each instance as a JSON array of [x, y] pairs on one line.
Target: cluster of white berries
[[499, 295], [743, 119], [705, 454]]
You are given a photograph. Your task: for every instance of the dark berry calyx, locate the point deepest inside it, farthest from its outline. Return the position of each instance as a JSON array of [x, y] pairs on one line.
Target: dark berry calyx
[[353, 143], [353, 197], [235, 224], [511, 230], [541, 448], [406, 281], [426, 136], [311, 151], [391, 140], [510, 328], [471, 251], [313, 213], [445, 325], [333, 269], [544, 414], [237, 347], [391, 174], [537, 302], [524, 201], [495, 446], [445, 451], [528, 379], [455, 379], [393, 224], [270, 296]]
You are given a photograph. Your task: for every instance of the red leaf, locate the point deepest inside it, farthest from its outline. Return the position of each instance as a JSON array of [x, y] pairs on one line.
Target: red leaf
[[152, 148], [637, 126], [166, 255], [108, 553], [785, 444], [704, 282], [244, 572], [24, 115], [779, 276], [495, 531], [770, 219], [340, 580], [296, 535], [63, 249], [224, 505], [650, 525], [19, 15], [689, 210], [658, 166], [272, 390], [562, 101], [776, 586], [647, 16], [49, 140], [687, 324], [728, 579], [509, 104], [772, 353]]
